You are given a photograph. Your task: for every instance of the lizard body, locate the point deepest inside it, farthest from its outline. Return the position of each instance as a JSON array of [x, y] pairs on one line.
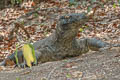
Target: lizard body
[[63, 43]]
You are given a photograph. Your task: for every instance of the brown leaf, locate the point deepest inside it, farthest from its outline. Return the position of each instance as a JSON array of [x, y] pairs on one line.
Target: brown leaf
[[9, 62]]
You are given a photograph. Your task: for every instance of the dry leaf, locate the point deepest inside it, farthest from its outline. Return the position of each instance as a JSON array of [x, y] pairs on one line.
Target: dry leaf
[[27, 53]]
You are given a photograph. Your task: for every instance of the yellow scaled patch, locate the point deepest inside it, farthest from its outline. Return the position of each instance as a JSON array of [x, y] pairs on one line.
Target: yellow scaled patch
[[27, 53]]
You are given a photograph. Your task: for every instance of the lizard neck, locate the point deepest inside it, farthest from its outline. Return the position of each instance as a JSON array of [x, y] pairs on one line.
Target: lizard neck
[[64, 36]]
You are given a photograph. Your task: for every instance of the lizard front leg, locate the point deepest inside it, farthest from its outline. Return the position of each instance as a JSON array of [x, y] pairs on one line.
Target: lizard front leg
[[96, 45], [11, 59]]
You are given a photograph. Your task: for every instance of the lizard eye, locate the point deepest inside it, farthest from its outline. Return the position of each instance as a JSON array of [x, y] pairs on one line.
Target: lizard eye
[[65, 27]]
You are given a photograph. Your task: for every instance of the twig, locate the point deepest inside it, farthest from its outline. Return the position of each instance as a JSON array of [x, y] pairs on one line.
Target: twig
[[16, 28], [49, 75], [22, 27]]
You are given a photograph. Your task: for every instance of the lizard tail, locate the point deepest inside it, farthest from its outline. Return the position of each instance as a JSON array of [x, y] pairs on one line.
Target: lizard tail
[[116, 45]]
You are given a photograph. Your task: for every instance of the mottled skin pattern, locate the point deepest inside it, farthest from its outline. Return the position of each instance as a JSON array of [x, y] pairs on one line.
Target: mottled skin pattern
[[63, 43]]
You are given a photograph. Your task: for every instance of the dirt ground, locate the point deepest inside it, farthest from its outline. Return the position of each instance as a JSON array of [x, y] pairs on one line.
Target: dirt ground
[[99, 65]]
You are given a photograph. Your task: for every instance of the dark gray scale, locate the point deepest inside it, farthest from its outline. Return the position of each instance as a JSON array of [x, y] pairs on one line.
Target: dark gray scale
[[95, 44]]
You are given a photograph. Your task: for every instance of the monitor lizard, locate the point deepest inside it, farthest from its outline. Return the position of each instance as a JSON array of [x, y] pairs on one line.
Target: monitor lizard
[[63, 42]]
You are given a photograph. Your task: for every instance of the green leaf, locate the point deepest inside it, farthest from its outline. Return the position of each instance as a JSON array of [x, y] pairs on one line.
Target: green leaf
[[33, 52], [17, 78], [22, 22], [84, 3], [36, 15], [13, 2], [119, 2], [72, 2], [102, 5], [68, 75], [20, 1], [114, 5], [45, 33], [93, 1], [65, 60], [85, 26], [81, 29], [27, 53], [88, 9], [16, 58]]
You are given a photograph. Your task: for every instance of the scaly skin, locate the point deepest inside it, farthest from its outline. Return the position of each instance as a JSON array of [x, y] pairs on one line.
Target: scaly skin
[[63, 43]]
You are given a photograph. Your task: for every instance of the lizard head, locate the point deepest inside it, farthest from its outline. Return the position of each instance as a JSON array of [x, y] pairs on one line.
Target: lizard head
[[72, 21], [74, 18], [69, 24]]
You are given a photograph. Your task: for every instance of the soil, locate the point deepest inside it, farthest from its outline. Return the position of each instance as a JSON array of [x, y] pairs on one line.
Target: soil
[[99, 65]]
